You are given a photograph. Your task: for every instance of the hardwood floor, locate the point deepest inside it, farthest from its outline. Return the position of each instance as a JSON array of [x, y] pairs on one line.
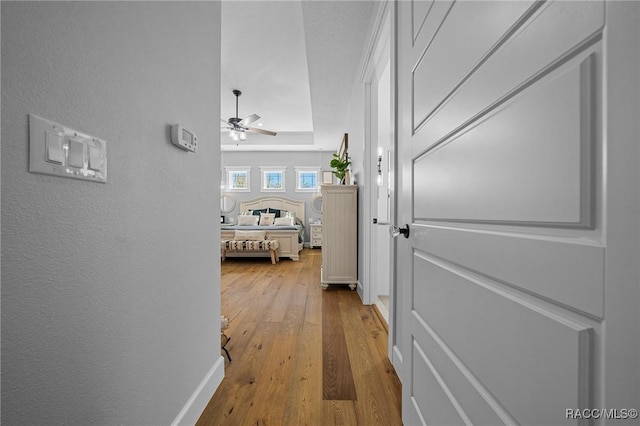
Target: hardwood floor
[[300, 355]]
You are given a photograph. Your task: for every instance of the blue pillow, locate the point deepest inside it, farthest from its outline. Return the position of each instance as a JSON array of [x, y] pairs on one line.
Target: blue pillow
[[276, 211], [259, 211]]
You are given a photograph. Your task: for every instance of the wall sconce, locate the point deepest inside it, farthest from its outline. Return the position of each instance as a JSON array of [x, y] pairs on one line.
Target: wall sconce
[[380, 179]]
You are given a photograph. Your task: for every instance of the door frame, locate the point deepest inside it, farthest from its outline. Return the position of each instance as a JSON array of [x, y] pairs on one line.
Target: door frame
[[378, 53]]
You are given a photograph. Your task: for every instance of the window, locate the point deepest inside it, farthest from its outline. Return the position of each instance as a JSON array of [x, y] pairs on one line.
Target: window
[[307, 179], [238, 178], [273, 179]]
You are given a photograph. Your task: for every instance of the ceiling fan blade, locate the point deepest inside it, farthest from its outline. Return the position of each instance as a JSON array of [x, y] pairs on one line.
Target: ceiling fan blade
[[225, 121], [262, 131], [250, 119]]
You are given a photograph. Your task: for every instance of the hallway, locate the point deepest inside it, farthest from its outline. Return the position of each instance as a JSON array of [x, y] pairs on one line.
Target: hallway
[[300, 355]]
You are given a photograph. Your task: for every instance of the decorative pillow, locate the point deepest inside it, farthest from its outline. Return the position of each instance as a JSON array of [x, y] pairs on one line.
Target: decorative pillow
[[266, 219], [278, 212], [288, 214], [283, 221], [248, 220], [249, 235]]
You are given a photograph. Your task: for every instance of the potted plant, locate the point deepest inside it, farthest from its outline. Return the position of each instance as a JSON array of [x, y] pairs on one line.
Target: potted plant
[[340, 166]]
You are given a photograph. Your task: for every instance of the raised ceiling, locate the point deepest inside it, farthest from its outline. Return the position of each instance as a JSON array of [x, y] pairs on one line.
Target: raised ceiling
[[295, 62]]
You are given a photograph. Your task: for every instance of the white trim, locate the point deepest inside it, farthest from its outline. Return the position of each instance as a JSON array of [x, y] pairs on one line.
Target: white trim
[[384, 310], [372, 43], [380, 49], [378, 54], [196, 404]]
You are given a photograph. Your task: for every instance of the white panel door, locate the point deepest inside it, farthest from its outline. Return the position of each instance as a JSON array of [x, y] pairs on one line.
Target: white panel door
[[504, 178]]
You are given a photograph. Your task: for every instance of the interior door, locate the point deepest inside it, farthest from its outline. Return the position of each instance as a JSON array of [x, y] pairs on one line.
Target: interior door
[[504, 167]]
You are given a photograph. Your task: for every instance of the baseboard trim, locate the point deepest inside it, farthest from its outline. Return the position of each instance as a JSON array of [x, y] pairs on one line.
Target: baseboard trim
[[381, 317], [194, 407], [396, 360]]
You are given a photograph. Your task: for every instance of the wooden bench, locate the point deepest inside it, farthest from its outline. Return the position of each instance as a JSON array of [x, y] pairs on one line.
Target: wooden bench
[[267, 246]]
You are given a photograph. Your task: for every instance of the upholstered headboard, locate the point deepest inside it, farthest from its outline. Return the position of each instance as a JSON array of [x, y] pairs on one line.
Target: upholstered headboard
[[280, 203]]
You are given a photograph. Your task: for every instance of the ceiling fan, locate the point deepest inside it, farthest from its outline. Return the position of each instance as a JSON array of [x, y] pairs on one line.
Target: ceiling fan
[[238, 127]]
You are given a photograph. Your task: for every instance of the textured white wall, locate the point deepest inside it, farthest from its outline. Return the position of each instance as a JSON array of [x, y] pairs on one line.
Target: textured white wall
[[110, 292]]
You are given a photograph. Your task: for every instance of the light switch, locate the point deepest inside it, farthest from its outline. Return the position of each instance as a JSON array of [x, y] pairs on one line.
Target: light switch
[[54, 148], [76, 153], [57, 150], [95, 160]]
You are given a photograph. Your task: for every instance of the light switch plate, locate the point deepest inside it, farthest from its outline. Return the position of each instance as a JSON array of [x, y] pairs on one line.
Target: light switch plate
[[58, 150]]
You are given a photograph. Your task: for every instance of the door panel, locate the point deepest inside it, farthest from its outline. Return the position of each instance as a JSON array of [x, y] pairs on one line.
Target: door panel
[[515, 64], [427, 16], [432, 401], [501, 175], [540, 140], [438, 77], [560, 269], [546, 355], [459, 387]]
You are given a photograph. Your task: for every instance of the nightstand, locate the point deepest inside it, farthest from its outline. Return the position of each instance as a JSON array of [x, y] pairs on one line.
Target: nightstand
[[315, 234]]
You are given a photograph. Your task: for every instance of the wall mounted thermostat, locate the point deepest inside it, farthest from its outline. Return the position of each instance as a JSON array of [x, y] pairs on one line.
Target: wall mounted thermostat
[[184, 138]]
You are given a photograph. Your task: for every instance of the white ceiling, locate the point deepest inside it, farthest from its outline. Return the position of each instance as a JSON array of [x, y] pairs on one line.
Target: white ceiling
[[295, 62]]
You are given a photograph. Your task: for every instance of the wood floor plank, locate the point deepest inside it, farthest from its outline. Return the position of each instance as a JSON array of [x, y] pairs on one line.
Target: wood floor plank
[[275, 380], [276, 376], [228, 405], [303, 407], [375, 405], [339, 413], [293, 316], [337, 377]]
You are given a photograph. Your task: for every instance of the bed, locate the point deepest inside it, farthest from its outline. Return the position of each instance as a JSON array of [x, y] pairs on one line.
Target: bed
[[290, 238]]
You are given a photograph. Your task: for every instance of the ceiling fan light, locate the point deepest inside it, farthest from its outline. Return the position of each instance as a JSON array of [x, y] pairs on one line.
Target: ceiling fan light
[[238, 127]]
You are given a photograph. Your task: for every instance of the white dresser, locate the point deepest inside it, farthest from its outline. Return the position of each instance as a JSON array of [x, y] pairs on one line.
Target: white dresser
[[339, 235], [315, 235]]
